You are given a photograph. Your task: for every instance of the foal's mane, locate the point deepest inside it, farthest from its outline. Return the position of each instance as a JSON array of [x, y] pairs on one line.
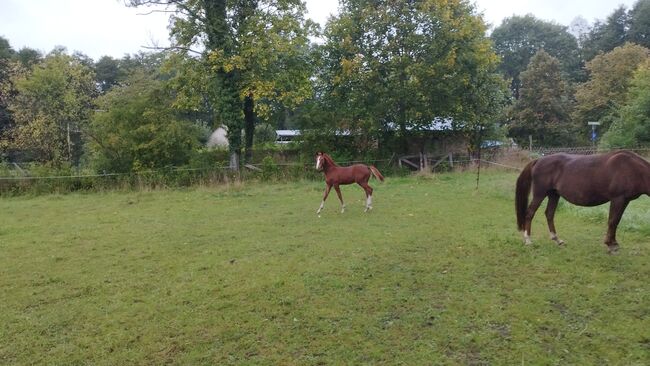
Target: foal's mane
[[329, 159]]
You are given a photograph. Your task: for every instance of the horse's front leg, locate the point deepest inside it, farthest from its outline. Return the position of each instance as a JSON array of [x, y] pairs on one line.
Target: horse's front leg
[[322, 204], [553, 199], [616, 209], [338, 192]]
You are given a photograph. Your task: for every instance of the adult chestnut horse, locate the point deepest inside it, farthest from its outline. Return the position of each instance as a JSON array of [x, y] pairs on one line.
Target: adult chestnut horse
[[336, 175], [584, 180]]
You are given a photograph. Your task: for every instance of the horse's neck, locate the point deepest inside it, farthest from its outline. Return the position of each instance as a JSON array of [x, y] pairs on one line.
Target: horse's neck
[[329, 166]]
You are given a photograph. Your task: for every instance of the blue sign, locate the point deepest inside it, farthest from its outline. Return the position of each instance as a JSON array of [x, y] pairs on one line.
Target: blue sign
[[593, 135]]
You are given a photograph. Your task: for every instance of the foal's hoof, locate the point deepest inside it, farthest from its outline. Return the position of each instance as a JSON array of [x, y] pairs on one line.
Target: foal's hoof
[[560, 242], [612, 249], [528, 242]]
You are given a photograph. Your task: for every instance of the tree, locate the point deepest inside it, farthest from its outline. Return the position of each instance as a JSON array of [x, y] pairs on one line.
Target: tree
[[53, 103], [607, 35], [401, 64], [254, 53], [137, 128], [108, 73], [28, 57], [6, 52], [579, 28], [6, 87], [543, 108], [631, 126], [606, 89], [639, 23], [519, 38]]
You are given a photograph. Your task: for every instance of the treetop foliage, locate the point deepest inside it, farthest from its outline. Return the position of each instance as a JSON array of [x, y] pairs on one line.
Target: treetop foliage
[[385, 71]]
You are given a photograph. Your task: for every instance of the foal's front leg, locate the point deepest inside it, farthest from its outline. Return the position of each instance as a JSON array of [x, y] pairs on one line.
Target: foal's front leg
[[327, 192], [338, 192]]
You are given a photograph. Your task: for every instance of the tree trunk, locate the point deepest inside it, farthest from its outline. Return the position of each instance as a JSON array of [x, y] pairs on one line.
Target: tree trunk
[[69, 140], [249, 127], [234, 160]]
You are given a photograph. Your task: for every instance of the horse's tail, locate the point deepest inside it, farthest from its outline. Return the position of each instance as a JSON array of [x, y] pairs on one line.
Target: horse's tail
[[524, 182], [376, 173]]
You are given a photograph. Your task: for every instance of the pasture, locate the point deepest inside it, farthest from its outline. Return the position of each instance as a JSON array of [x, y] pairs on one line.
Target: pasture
[[435, 274]]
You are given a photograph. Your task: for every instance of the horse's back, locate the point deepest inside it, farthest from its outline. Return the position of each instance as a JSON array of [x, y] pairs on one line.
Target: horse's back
[[591, 179], [351, 174]]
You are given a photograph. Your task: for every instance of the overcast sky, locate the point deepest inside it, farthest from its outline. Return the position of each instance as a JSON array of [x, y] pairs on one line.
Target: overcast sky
[[107, 27]]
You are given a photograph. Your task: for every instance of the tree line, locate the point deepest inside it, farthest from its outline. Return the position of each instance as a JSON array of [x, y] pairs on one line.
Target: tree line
[[383, 71]]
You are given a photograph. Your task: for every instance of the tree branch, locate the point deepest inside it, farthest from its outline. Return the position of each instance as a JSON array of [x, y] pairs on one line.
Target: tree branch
[[172, 48]]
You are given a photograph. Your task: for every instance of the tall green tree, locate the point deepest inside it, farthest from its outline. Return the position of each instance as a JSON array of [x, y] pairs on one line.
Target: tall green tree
[[254, 52], [28, 57], [544, 106], [607, 35], [639, 19], [53, 103], [402, 64], [631, 126], [606, 89], [137, 127], [108, 73], [519, 38], [6, 87]]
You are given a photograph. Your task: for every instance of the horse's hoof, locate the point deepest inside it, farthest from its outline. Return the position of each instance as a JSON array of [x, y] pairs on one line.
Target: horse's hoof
[[612, 249], [528, 242], [560, 242]]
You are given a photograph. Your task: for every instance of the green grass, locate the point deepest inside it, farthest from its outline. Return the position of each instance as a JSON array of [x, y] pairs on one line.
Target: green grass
[[435, 274]]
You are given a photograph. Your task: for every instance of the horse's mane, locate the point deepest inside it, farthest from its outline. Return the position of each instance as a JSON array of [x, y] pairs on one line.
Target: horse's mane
[[329, 159]]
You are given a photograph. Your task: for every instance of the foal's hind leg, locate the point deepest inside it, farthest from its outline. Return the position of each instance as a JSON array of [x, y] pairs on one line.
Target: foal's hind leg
[[338, 192], [530, 213], [553, 199], [368, 190]]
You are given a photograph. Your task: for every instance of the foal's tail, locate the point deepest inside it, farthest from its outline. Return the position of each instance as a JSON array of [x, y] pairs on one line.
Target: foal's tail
[[376, 173], [524, 183]]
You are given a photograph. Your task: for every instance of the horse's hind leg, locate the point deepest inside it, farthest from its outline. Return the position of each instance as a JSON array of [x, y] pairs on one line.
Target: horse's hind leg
[[338, 192], [366, 187], [530, 213], [322, 204], [616, 209], [553, 199]]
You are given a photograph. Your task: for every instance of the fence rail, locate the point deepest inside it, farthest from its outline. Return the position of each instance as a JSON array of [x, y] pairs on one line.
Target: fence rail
[[16, 179]]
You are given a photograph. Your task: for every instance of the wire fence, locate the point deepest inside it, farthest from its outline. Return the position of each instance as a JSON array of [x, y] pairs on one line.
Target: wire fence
[[20, 180]]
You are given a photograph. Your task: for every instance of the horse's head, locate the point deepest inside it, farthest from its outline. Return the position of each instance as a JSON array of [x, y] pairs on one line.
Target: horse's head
[[320, 161]]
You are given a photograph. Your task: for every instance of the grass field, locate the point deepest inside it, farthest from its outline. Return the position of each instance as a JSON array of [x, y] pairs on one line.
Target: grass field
[[435, 274]]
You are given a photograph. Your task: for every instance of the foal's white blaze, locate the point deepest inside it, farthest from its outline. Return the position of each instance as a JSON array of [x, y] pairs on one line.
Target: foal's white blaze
[[319, 161]]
